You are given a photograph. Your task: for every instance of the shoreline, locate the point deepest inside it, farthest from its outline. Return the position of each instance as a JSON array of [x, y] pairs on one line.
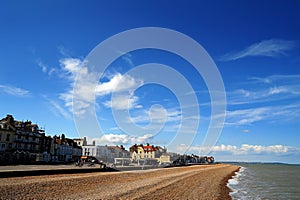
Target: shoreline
[[224, 185], [192, 182]]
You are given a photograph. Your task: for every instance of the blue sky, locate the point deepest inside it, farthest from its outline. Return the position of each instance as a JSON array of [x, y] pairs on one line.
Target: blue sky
[[254, 44]]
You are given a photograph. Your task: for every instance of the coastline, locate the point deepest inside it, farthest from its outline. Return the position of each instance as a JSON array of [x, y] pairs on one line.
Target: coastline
[[192, 182], [225, 195]]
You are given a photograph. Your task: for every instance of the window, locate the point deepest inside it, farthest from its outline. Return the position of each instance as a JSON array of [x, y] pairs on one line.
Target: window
[[2, 146], [7, 137]]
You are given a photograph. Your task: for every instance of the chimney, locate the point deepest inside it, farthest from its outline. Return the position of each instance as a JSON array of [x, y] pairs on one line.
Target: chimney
[[84, 141]]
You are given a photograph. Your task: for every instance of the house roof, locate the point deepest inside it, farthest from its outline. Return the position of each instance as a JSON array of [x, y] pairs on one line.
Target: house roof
[[149, 148]]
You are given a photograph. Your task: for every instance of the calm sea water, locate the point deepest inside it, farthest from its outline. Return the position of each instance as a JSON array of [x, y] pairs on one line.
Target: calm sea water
[[266, 181]]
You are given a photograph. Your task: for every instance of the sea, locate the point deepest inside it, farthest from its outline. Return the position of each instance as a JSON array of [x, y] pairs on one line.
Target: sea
[[266, 181]]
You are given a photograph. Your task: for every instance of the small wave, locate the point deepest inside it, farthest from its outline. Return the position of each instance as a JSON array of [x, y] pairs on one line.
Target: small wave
[[233, 182], [240, 172], [235, 179]]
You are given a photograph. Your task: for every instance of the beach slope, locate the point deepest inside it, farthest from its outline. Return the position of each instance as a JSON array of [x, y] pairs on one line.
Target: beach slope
[[192, 182]]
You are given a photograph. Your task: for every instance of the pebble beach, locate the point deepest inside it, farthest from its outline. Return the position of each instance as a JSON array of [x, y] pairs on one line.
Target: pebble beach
[[192, 182]]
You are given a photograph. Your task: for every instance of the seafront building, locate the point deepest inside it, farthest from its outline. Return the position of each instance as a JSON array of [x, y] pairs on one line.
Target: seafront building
[[25, 142], [105, 153], [137, 154], [149, 154], [7, 134]]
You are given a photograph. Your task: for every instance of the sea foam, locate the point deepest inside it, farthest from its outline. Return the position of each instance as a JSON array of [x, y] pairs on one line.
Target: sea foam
[[233, 183]]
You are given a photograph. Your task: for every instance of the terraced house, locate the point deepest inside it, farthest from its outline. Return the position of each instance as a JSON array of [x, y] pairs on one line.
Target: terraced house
[[7, 134], [25, 142]]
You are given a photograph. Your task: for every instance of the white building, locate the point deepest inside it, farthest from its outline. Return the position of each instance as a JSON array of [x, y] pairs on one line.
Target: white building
[[105, 153]]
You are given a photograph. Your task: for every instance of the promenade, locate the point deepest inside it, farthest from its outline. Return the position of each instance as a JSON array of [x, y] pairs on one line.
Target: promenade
[[38, 170]]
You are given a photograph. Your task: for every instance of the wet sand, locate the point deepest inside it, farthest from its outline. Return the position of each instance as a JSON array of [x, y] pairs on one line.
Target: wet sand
[[192, 182]]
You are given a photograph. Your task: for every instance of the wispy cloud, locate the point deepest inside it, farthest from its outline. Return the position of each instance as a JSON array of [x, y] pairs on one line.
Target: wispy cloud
[[59, 110], [45, 68], [157, 115], [268, 113], [14, 91], [264, 99], [267, 48], [128, 58], [64, 51], [271, 94], [42, 65], [278, 78], [266, 89]]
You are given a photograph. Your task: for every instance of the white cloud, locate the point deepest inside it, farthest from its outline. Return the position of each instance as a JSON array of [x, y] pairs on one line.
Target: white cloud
[[84, 93], [244, 149], [157, 114], [122, 102], [70, 65], [268, 48], [118, 83], [278, 90], [121, 85], [14, 91], [118, 139]]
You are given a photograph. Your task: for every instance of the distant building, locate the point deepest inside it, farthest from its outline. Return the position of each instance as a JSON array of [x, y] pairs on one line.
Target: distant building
[[81, 141], [66, 150], [105, 153], [46, 149], [148, 154]]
